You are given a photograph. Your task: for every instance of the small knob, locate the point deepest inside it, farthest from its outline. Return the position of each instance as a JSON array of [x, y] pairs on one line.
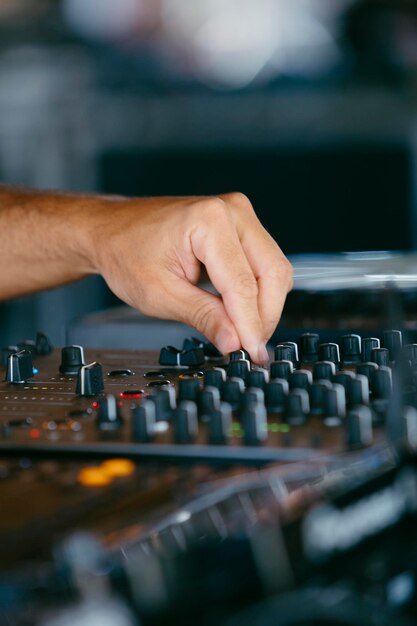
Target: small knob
[[366, 369], [276, 391], [309, 347], [108, 413], [252, 395], [283, 352], [324, 370], [6, 352], [188, 389], [300, 379], [410, 426], [329, 352], [393, 341], [185, 422], [238, 369], [381, 383], [90, 380], [28, 345], [297, 407], [238, 355], [232, 392], [368, 345], [165, 402], [344, 378], [19, 367], [72, 358], [294, 350], [43, 344], [317, 392], [220, 425], [334, 405], [281, 369], [358, 391], [410, 353], [254, 424], [380, 356], [176, 358], [359, 432], [143, 421], [257, 378], [351, 349], [214, 377], [208, 401]]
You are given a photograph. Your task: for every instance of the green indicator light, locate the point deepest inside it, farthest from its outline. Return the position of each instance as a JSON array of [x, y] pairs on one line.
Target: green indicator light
[[285, 428], [274, 428], [236, 426]]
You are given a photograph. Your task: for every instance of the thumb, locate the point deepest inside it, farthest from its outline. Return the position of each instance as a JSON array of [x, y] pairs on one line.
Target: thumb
[[206, 313]]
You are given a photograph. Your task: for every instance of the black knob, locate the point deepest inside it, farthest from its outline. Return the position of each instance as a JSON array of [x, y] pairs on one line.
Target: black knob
[[344, 377], [214, 377], [410, 353], [283, 352], [294, 350], [188, 389], [334, 405], [324, 370], [232, 392], [300, 379], [309, 347], [281, 369], [368, 345], [275, 394], [316, 394], [185, 422], [19, 367], [393, 341], [380, 356], [257, 378], [381, 383], [329, 352], [220, 425], [28, 345], [351, 349], [297, 407], [238, 355], [366, 369], [164, 401], [208, 401], [43, 344], [410, 426], [72, 358], [6, 352], [143, 421], [108, 413], [359, 428], [90, 380], [238, 369], [177, 358], [254, 424], [358, 392], [252, 395]]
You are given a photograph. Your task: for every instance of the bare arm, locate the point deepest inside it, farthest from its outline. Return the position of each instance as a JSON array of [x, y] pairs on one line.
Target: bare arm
[[150, 252]]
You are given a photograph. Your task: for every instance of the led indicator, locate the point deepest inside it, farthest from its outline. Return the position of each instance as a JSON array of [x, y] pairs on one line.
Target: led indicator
[[35, 433]]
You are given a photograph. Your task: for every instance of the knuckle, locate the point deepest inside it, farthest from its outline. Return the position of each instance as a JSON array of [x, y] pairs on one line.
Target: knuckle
[[288, 271], [246, 286], [240, 200]]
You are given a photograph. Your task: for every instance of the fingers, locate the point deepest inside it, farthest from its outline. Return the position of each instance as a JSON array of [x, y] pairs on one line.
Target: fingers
[[205, 312], [217, 245]]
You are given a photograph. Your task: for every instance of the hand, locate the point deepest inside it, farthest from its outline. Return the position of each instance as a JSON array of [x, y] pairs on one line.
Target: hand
[[151, 251]]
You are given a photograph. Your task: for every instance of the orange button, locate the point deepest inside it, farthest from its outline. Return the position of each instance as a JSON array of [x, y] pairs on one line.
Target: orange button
[[116, 468], [93, 477]]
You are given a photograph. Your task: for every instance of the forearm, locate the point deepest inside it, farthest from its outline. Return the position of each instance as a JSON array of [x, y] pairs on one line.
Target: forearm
[[44, 239]]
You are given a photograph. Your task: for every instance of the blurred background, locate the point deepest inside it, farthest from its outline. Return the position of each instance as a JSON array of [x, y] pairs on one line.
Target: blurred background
[[309, 107]]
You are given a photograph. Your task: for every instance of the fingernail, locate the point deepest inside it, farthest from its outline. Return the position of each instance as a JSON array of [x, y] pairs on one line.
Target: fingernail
[[263, 356]]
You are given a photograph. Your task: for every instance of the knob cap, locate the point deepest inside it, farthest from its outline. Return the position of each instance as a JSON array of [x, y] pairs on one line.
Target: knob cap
[[317, 392], [309, 347], [6, 352], [238, 355], [164, 400], [252, 395], [238, 369], [43, 344], [300, 379], [351, 348], [393, 341], [220, 425], [329, 352], [214, 377], [143, 421], [334, 405], [344, 378], [297, 407], [185, 422], [90, 380], [257, 378], [359, 432], [208, 401], [176, 358], [72, 358], [108, 413], [366, 369], [284, 352], [19, 367], [188, 389], [368, 345], [232, 392], [380, 356], [255, 425], [381, 383], [324, 370], [276, 391], [358, 391], [410, 353], [281, 369]]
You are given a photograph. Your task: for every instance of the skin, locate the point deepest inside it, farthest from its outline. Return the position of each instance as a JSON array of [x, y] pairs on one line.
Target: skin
[[151, 252]]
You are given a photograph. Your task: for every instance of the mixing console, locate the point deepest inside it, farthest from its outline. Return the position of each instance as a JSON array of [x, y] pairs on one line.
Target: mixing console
[[314, 399]]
